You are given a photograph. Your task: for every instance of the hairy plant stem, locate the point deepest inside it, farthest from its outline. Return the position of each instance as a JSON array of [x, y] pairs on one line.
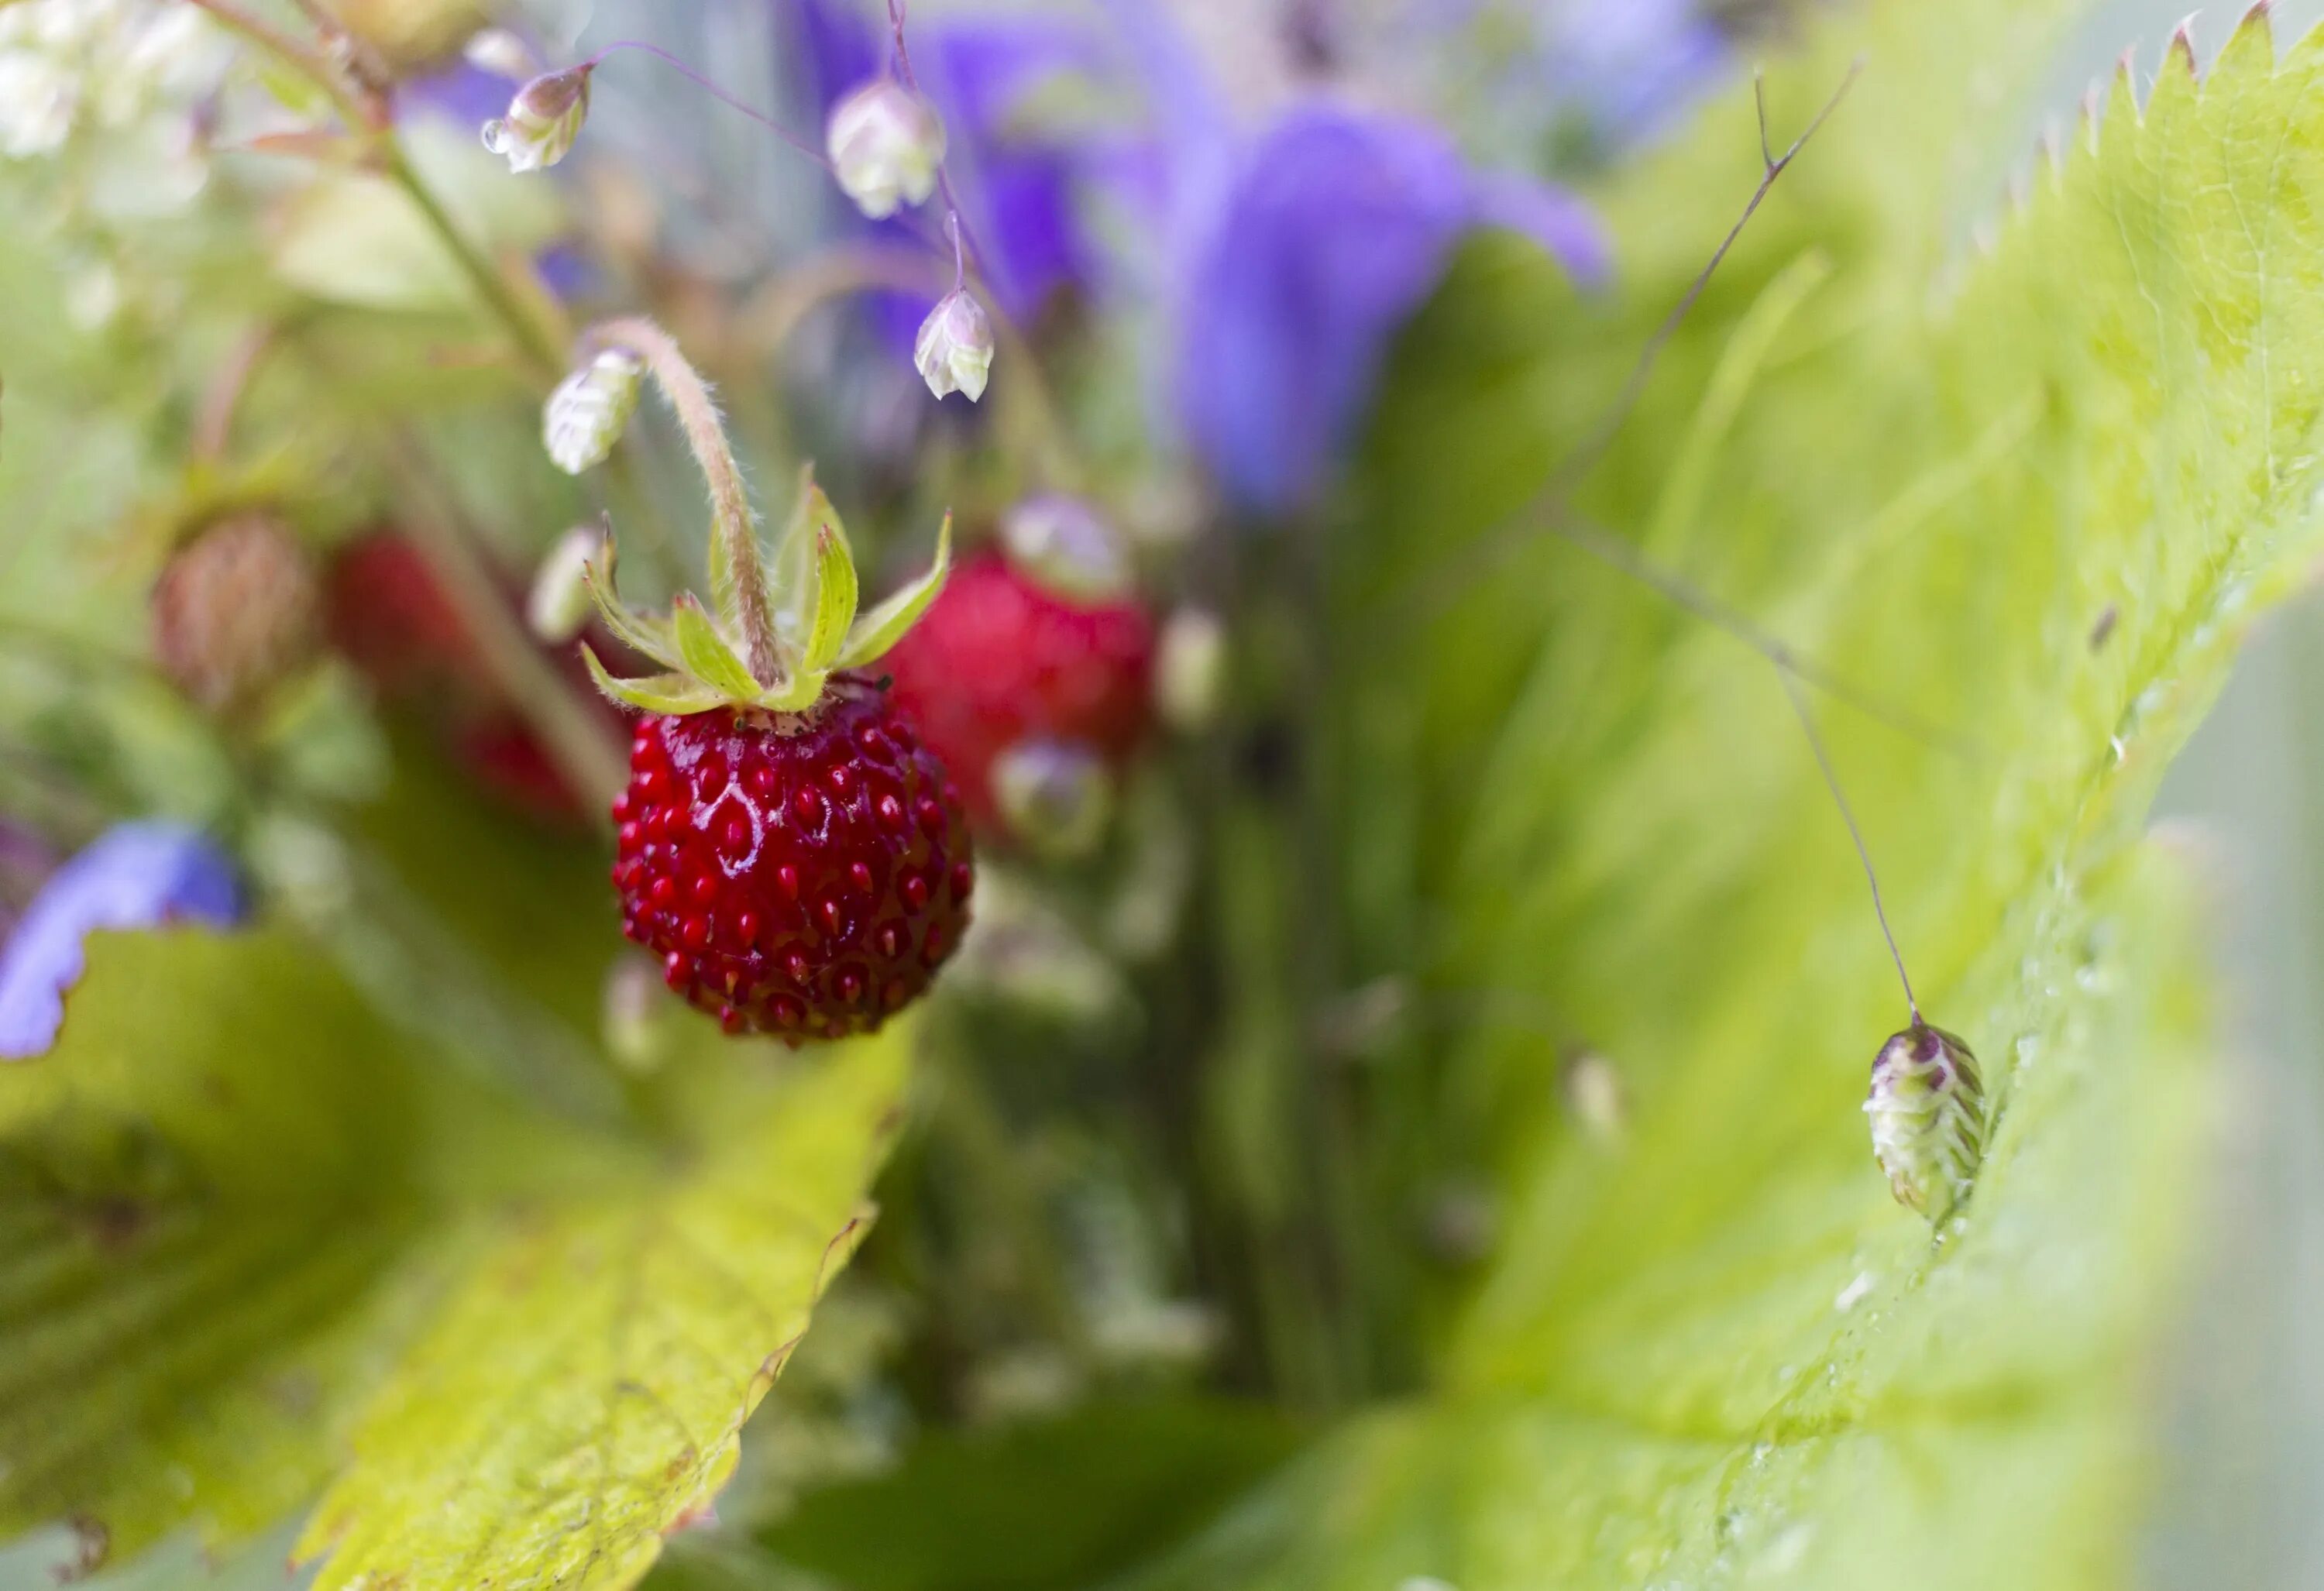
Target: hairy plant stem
[[588, 756], [589, 759], [732, 519]]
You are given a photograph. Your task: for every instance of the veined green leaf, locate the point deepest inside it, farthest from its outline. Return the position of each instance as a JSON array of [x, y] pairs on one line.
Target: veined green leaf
[[704, 652], [580, 1394], [885, 624], [1710, 1350], [254, 1235], [661, 692]]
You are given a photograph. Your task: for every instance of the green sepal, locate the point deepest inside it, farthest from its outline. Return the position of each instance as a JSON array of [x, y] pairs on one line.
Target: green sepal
[[675, 694], [795, 694], [726, 596], [704, 653], [885, 624], [834, 597], [649, 637], [794, 574]]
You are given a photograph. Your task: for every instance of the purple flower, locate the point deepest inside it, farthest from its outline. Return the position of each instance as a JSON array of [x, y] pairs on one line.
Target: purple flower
[[1298, 262], [135, 876]]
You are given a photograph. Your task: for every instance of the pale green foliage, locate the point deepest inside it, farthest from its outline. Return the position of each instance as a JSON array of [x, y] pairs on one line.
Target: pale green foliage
[[353, 237], [256, 1237], [1711, 1349]]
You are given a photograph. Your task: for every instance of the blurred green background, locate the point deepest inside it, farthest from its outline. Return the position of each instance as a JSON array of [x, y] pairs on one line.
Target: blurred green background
[[2245, 1439]]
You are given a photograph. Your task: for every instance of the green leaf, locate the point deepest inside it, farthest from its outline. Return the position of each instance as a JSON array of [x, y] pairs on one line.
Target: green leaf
[[580, 1395], [2036, 497], [834, 597], [706, 653], [886, 624], [201, 1225], [254, 1236], [676, 694], [648, 638]]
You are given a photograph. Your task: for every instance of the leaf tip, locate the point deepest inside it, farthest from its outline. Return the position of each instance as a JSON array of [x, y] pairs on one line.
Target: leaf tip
[[2182, 51], [2252, 46]]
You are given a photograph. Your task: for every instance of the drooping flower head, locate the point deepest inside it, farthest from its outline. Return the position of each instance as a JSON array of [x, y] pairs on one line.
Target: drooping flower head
[[954, 347], [885, 143], [140, 875], [1017, 179]]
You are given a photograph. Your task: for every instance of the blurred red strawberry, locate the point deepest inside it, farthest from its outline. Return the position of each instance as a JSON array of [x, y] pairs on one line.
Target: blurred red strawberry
[[387, 613]]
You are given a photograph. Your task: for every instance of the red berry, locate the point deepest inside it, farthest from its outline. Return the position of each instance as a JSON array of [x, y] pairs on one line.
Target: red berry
[[755, 861], [999, 658], [392, 619]]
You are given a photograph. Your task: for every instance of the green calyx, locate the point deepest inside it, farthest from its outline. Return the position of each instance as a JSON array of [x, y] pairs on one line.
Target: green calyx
[[781, 623]]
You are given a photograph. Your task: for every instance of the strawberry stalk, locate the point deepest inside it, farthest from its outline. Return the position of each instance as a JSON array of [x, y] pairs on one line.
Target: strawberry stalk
[[733, 524]]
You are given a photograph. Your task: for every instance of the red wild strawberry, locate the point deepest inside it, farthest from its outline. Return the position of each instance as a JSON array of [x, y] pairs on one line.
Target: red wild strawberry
[[799, 874], [789, 848], [1003, 659]]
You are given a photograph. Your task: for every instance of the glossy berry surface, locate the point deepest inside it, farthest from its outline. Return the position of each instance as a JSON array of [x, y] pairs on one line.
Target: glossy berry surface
[[999, 658], [803, 877]]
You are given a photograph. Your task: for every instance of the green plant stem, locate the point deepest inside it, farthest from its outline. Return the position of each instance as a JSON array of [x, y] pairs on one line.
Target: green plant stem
[[586, 754], [533, 338], [732, 519], [366, 117]]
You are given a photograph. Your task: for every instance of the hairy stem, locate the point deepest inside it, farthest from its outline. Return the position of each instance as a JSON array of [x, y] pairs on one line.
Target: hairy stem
[[730, 505]]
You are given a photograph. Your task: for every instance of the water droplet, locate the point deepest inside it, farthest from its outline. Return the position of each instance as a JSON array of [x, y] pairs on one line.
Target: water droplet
[[1853, 1294]]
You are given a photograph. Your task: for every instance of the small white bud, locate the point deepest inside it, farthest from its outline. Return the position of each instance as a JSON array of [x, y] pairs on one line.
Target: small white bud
[[954, 348], [1056, 796], [558, 606], [590, 408], [1067, 546], [1189, 668], [543, 120], [885, 143]]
